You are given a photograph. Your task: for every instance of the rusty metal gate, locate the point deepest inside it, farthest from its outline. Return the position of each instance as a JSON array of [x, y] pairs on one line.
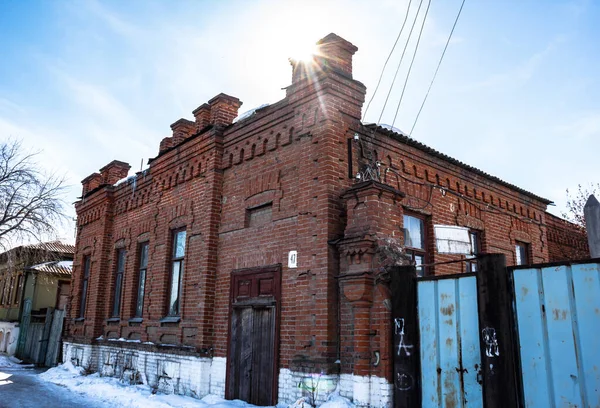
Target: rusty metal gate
[[449, 333], [453, 339], [558, 317]]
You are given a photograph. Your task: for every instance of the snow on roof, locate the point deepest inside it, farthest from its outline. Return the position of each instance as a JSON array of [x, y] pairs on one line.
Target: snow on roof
[[249, 113], [54, 267], [129, 180], [390, 127]]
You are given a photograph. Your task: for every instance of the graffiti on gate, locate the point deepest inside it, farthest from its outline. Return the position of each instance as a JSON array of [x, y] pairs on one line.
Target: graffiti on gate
[[402, 346], [491, 342]]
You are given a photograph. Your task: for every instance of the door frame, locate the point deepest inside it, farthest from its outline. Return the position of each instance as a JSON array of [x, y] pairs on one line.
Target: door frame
[[276, 270]]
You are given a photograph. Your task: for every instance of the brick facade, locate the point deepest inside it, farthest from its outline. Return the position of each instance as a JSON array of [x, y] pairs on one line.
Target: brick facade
[[247, 193], [566, 241]]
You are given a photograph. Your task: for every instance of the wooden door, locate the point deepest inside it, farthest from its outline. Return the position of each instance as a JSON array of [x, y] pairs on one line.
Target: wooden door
[[253, 336], [62, 296]]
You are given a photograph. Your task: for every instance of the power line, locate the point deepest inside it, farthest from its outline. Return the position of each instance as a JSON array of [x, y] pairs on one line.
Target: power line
[[400, 63], [411, 63], [438, 67], [388, 59]]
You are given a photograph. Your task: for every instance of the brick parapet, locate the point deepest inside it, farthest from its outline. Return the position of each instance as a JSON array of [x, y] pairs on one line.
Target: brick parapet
[[566, 241]]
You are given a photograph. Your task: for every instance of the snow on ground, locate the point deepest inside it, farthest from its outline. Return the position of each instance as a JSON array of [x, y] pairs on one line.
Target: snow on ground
[[12, 362], [115, 393]]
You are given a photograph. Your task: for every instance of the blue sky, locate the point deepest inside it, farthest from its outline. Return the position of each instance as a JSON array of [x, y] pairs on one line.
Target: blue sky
[[518, 94]]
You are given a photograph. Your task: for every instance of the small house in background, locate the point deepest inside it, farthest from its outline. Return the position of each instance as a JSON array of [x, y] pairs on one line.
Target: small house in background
[[37, 273]]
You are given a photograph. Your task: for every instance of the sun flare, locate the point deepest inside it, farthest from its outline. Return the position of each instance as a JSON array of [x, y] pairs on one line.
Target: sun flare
[[303, 50]]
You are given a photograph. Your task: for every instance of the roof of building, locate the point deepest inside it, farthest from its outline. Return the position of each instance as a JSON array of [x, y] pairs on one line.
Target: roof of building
[[53, 246], [54, 267], [418, 145]]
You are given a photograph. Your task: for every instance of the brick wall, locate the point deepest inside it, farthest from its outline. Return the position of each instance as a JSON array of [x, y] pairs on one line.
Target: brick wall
[[566, 241]]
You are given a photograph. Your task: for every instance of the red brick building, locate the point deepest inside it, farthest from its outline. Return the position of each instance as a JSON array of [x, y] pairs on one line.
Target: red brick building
[[245, 261]]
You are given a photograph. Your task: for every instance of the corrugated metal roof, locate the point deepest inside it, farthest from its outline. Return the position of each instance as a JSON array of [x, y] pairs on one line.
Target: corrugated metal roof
[[53, 246], [55, 267], [413, 143]]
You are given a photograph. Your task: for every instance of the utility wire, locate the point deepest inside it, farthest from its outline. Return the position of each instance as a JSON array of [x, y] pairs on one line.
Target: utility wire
[[388, 59], [438, 67], [400, 63], [411, 63]]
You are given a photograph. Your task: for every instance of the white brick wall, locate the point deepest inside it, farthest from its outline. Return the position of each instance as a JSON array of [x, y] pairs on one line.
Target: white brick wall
[[9, 337], [199, 376], [365, 391], [217, 376], [169, 373]]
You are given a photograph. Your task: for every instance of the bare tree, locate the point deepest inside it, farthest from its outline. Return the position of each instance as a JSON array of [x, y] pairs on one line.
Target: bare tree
[[576, 202], [31, 204]]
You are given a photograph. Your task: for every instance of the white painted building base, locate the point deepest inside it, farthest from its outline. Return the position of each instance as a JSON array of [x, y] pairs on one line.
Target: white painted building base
[[362, 391], [367, 391], [9, 337], [166, 372], [198, 376]]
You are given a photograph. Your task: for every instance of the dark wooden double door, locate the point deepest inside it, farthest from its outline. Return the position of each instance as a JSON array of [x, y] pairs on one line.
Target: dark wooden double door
[[254, 335]]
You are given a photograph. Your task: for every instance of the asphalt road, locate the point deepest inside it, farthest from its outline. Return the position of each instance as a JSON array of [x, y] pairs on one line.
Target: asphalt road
[[21, 388]]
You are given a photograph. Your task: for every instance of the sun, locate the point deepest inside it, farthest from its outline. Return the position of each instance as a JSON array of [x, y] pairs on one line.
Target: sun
[[302, 50]]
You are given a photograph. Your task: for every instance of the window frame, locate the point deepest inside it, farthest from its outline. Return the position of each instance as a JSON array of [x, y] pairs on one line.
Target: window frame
[[526, 250], [121, 260], [141, 283], [414, 252], [11, 290], [3, 297], [20, 283], [85, 277], [173, 311], [471, 262]]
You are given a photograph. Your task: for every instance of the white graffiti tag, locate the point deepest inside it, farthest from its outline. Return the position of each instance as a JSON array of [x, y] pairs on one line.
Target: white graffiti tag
[[399, 323], [491, 342], [404, 381]]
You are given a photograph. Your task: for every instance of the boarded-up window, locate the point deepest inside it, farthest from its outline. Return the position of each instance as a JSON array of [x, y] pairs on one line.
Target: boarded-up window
[[259, 215]]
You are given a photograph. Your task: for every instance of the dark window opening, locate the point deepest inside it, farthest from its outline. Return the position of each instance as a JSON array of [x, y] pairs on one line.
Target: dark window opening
[[19, 289], [178, 254], [84, 285], [11, 292], [118, 282], [143, 266]]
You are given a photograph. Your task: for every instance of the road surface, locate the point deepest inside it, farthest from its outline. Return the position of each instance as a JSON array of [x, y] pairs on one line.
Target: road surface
[[21, 388]]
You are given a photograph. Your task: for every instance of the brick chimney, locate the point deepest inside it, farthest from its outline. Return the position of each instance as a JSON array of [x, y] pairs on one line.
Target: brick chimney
[[334, 54], [90, 183], [223, 109], [202, 116], [114, 171], [182, 129], [165, 144]]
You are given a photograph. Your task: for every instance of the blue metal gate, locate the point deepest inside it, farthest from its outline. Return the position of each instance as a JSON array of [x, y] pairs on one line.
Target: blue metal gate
[[449, 342], [558, 318]]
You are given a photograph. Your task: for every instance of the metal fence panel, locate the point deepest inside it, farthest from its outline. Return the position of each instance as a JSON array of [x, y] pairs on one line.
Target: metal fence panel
[[449, 336], [558, 313]]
